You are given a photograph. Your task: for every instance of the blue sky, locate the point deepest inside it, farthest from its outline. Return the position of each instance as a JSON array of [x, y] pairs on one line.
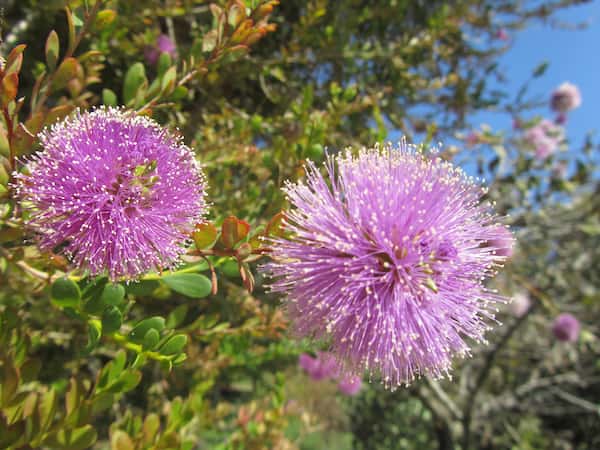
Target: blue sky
[[574, 55]]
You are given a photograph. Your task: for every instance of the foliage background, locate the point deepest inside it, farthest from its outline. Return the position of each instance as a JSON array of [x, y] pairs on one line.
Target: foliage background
[[256, 88]]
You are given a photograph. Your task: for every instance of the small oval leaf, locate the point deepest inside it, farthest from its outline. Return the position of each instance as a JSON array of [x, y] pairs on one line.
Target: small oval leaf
[[52, 50], [193, 285], [65, 293], [174, 345]]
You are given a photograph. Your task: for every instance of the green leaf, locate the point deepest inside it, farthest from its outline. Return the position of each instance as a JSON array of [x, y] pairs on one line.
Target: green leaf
[[135, 78], [143, 288], [66, 72], [121, 441], [77, 21], [174, 345], [151, 338], [209, 41], [79, 439], [105, 18], [109, 98], [73, 396], [46, 409], [204, 235], [10, 383], [168, 81], [139, 331], [177, 316], [191, 284], [52, 50], [128, 380], [230, 268], [113, 294], [540, 69], [94, 333], [150, 428], [111, 319], [65, 293], [164, 62]]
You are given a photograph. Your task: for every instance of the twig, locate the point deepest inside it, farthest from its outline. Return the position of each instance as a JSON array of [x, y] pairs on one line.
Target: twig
[[444, 399], [487, 367]]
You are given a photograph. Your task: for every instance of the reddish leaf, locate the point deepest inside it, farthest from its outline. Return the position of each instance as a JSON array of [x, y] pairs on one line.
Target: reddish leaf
[[9, 88], [204, 235], [14, 60], [67, 70]]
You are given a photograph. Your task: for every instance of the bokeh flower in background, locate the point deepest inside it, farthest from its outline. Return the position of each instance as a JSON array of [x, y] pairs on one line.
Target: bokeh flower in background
[[164, 44], [520, 304], [566, 327], [321, 367], [502, 34], [545, 138], [350, 385], [473, 138], [117, 192], [387, 261], [565, 98]]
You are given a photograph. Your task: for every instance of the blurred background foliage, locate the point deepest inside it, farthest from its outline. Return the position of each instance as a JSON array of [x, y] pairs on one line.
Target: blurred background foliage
[[257, 87]]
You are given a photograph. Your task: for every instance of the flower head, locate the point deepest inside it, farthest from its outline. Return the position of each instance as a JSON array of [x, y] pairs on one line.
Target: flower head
[[118, 193], [164, 44], [520, 304], [502, 34], [565, 98], [350, 385], [566, 327], [545, 137], [320, 368], [386, 260]]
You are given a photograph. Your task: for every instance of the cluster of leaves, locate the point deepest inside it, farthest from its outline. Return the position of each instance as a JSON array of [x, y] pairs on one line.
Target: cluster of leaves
[[198, 357]]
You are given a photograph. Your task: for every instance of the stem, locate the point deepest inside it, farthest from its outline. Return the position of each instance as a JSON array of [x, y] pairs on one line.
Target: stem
[[10, 134], [487, 367]]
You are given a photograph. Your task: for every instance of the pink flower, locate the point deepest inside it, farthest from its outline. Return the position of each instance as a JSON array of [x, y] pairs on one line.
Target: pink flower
[[164, 44], [350, 385], [545, 137], [565, 98], [307, 362], [520, 304], [566, 327], [473, 138], [502, 35], [320, 368]]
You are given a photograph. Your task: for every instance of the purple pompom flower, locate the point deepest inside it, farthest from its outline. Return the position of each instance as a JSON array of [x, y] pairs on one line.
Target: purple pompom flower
[[307, 362], [385, 261], [565, 98], [322, 367], [164, 44], [350, 385], [118, 193], [566, 327]]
